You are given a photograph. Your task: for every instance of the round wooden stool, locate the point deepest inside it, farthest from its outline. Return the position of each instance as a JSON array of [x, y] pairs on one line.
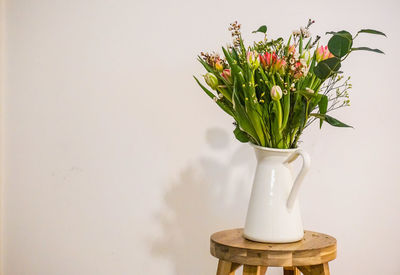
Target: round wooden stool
[[309, 256]]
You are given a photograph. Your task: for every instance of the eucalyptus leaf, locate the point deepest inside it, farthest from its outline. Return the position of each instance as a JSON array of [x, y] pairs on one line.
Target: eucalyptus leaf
[[371, 31], [262, 29], [340, 43], [340, 33], [326, 67], [331, 120], [334, 122], [367, 49]]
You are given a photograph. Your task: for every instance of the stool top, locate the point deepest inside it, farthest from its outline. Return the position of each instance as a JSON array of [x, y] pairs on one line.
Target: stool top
[[315, 248]]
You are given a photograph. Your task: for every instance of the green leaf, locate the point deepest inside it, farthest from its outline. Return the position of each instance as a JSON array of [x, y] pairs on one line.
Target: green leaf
[[235, 55], [314, 100], [340, 43], [332, 121], [228, 56], [299, 112], [308, 44], [262, 29], [326, 67], [231, 61], [372, 32], [241, 116], [240, 135], [210, 94], [312, 63], [287, 45], [228, 109], [205, 65], [307, 94], [367, 49], [323, 107]]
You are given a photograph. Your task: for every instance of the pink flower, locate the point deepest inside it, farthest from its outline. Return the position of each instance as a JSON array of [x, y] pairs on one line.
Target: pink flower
[[298, 72], [323, 53], [268, 59], [279, 66], [226, 74]]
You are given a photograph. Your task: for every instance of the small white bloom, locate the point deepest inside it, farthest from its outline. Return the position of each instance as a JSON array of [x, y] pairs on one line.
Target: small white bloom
[[220, 96], [306, 33]]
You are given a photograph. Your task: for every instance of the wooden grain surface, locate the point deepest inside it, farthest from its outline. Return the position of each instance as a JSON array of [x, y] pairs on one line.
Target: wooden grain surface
[[314, 249]]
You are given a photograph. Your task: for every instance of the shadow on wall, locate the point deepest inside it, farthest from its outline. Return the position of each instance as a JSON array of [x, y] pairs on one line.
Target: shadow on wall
[[210, 195]]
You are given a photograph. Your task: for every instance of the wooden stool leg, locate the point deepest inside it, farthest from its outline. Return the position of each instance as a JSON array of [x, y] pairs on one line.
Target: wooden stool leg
[[227, 268], [262, 270], [234, 267], [321, 269], [254, 270], [224, 267], [291, 271]]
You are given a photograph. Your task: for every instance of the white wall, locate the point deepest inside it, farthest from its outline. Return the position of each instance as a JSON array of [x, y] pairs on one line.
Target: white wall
[[116, 163]]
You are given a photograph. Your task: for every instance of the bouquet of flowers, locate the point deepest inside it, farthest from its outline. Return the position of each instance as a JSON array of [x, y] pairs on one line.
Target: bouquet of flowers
[[275, 89]]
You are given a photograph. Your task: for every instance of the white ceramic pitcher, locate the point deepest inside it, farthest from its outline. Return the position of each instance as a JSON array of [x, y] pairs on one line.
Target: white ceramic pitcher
[[273, 215]]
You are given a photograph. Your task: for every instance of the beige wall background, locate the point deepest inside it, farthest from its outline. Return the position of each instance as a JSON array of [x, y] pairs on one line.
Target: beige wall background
[[116, 163]]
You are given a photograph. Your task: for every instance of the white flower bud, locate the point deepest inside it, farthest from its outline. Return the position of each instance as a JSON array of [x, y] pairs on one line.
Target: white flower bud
[[276, 93]]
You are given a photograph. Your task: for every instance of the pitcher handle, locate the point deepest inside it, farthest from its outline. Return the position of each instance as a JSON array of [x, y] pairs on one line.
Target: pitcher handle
[[299, 179]]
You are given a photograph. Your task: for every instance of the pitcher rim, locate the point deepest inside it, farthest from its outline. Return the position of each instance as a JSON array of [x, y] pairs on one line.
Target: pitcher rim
[[273, 149]]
